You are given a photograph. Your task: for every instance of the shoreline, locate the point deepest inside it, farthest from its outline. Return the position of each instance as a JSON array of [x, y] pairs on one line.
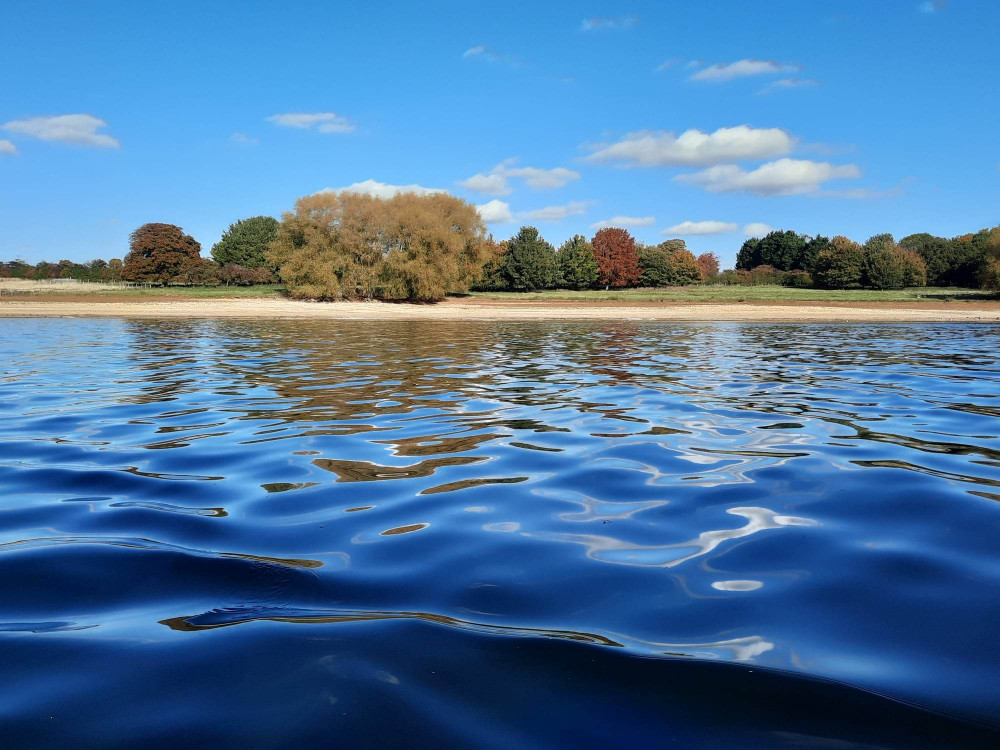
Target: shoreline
[[459, 309]]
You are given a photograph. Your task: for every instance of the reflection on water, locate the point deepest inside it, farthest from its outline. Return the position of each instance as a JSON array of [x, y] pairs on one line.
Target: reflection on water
[[813, 501]]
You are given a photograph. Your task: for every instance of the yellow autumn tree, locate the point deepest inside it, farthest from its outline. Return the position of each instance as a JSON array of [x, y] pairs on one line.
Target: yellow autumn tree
[[354, 246]]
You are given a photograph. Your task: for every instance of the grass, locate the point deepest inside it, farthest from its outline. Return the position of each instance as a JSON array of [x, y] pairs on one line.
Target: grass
[[258, 291], [723, 294]]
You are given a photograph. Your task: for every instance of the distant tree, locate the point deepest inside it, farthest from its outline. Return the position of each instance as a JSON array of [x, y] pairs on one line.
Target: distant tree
[[782, 250], [246, 242], [668, 264], [990, 276], [491, 279], [708, 264], [749, 255], [242, 276], [839, 265], [159, 253], [936, 253], [114, 270], [913, 267], [577, 264], [880, 263], [617, 258], [807, 261], [530, 262], [410, 246]]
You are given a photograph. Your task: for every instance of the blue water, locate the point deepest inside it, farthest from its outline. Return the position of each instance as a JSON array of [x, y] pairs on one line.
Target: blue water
[[312, 534]]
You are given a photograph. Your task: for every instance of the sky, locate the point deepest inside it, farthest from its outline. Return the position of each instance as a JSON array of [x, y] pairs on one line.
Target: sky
[[710, 120]]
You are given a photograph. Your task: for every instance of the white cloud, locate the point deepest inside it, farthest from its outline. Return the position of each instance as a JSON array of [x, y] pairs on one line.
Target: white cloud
[[667, 65], [242, 139], [382, 189], [757, 229], [7, 147], [742, 69], [77, 129], [700, 227], [692, 64], [787, 83], [495, 182], [495, 212], [625, 221], [555, 213], [695, 148], [931, 6], [324, 122], [597, 23], [781, 177]]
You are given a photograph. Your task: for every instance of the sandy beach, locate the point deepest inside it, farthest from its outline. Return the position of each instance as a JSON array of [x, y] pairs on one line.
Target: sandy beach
[[472, 309]]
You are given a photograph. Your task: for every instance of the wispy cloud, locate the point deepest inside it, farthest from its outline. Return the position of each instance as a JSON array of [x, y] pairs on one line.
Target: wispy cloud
[[757, 229], [487, 53], [700, 227], [555, 213], [495, 182], [667, 65], [695, 148], [382, 189], [625, 221], [597, 23], [324, 122], [495, 212], [242, 139], [742, 69], [781, 177], [79, 129], [932, 6], [788, 83], [7, 147]]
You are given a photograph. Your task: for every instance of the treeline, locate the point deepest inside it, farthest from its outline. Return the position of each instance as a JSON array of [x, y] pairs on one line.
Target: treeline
[[423, 247], [969, 260], [610, 259]]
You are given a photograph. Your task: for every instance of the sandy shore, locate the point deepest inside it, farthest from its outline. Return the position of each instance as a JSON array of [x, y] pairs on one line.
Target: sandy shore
[[471, 309]]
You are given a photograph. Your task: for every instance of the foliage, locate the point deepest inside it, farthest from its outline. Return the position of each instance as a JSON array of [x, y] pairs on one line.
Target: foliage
[[991, 265], [839, 265], [668, 264], [798, 279], [243, 276], [577, 264], [159, 253], [358, 246], [529, 263], [203, 273], [245, 243], [783, 250], [617, 258], [708, 264]]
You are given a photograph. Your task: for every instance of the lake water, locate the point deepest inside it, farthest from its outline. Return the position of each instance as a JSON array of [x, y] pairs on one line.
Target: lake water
[[268, 534]]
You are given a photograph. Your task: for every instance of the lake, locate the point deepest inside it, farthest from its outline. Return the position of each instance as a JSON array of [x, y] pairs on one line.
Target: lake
[[265, 534]]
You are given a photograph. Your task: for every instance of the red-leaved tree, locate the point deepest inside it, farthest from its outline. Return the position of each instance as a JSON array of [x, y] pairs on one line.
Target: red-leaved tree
[[708, 264], [617, 258], [159, 254]]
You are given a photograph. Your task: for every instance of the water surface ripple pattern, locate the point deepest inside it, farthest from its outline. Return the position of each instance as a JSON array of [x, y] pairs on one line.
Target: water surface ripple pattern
[[258, 534]]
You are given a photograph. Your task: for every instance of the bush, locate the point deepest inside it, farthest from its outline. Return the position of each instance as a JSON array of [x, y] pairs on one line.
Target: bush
[[243, 276], [798, 279]]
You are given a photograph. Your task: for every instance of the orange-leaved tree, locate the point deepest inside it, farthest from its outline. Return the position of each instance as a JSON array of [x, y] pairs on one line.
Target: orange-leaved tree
[[617, 258], [159, 254]]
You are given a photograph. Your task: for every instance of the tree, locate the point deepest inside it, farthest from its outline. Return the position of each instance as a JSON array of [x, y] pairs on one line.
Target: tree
[[203, 273], [749, 255], [530, 262], [807, 261], [159, 253], [839, 265], [914, 269], [410, 246], [708, 264], [880, 263], [782, 250], [991, 265], [577, 264], [668, 264], [616, 256], [936, 252], [246, 242], [114, 270]]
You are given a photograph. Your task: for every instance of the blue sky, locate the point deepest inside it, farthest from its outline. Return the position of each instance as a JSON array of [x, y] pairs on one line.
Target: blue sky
[[823, 117]]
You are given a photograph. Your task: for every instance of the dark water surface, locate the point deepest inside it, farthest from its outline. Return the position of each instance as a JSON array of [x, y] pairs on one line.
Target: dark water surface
[[304, 534]]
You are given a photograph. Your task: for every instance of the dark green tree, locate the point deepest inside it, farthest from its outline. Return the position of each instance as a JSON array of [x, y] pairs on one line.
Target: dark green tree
[[577, 264], [881, 264], [749, 255], [530, 262], [807, 260], [246, 242], [782, 250]]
